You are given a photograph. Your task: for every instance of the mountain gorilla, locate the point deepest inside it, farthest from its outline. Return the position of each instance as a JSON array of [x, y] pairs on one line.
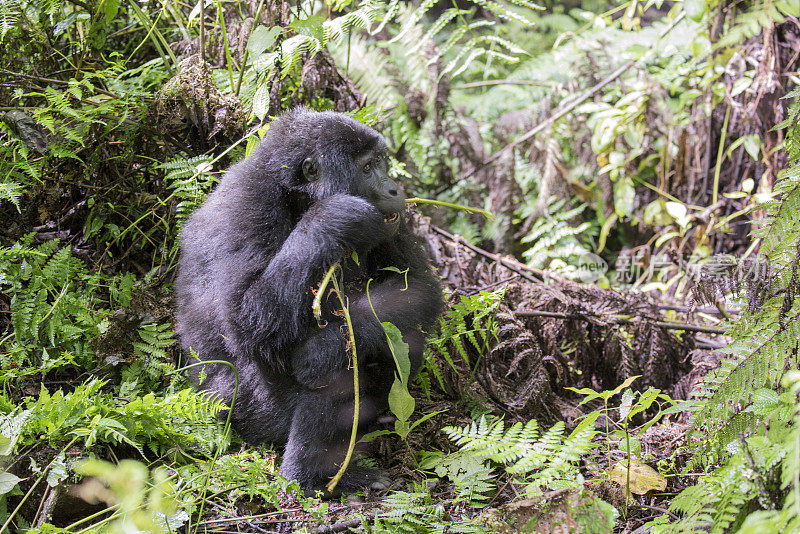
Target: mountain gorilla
[[315, 190]]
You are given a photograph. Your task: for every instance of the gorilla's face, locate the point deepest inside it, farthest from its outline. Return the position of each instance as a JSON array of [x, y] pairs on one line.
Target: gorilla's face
[[365, 175], [374, 184]]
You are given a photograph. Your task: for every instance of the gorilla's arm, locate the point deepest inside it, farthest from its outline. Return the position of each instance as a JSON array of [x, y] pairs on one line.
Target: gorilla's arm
[[276, 301]]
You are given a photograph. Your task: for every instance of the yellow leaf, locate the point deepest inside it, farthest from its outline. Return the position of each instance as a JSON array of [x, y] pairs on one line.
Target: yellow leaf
[[643, 478]]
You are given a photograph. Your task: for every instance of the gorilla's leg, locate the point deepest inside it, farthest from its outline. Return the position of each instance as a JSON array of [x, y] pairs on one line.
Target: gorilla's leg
[[320, 434]]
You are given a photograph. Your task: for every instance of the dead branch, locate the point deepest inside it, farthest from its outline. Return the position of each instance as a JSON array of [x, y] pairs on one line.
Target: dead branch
[[661, 324]]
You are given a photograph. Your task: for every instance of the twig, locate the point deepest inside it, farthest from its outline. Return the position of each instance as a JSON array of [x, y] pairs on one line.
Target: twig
[[513, 266], [53, 81], [661, 324], [689, 309], [502, 82]]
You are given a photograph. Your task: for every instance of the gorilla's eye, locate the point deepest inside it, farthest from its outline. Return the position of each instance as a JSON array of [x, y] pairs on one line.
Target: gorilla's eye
[[366, 167]]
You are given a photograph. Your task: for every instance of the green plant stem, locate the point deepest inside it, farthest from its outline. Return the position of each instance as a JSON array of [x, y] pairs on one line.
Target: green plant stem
[[316, 307], [628, 471], [223, 27], [246, 51], [104, 511], [160, 44], [354, 432], [227, 428], [720, 152], [11, 516], [469, 209]]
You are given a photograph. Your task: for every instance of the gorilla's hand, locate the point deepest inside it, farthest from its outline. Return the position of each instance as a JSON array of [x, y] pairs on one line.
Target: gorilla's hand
[[347, 221], [323, 235]]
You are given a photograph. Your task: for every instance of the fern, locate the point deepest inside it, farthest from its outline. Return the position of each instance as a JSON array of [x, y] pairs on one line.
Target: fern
[[537, 460], [10, 11], [752, 22], [155, 339], [456, 22], [740, 396], [55, 309], [553, 238], [154, 421], [415, 512], [16, 169], [469, 323], [11, 191], [190, 180], [314, 34]]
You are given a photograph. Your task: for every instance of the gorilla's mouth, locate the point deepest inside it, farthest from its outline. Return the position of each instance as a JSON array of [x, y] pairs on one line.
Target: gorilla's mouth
[[392, 218]]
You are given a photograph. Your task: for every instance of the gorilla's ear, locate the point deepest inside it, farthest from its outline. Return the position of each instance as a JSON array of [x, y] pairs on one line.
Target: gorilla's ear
[[310, 169]]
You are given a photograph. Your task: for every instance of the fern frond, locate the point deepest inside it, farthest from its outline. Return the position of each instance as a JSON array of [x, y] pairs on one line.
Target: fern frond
[[10, 11], [11, 191], [540, 460]]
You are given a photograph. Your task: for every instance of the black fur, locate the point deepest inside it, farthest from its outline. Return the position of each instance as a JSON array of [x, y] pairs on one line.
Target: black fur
[[315, 189]]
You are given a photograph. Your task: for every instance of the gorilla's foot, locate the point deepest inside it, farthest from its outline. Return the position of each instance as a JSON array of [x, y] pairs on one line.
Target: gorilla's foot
[[354, 479]]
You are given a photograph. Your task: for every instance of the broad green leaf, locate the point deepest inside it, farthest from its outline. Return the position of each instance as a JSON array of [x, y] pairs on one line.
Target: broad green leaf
[[646, 399], [310, 27], [7, 482], [589, 394], [110, 8], [401, 403], [628, 382], [366, 438], [695, 9], [624, 197], [399, 350], [752, 144], [261, 39], [425, 417], [261, 101]]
